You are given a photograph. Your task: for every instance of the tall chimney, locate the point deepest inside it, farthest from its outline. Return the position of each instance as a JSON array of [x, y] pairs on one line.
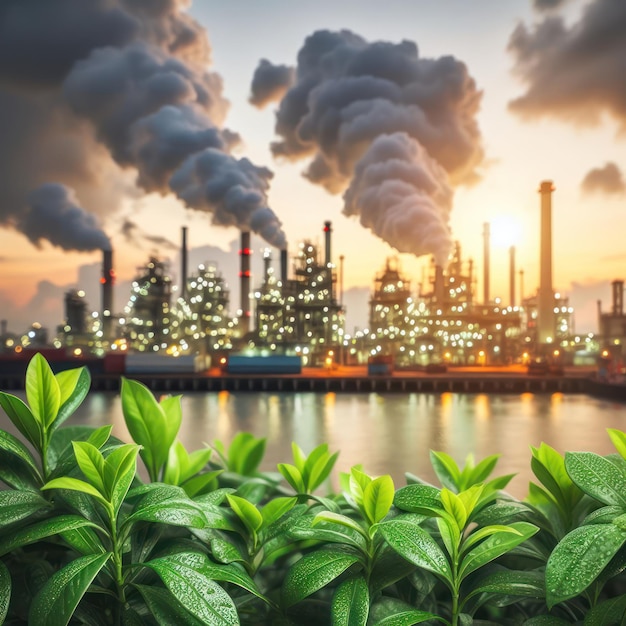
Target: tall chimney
[[3, 328], [183, 264], [341, 258], [107, 281], [327, 232], [486, 262], [545, 308], [439, 286], [283, 266], [267, 263], [512, 275], [618, 297], [244, 276]]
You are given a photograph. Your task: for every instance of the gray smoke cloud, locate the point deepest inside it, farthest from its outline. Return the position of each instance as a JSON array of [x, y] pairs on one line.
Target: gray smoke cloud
[[53, 214], [607, 180], [350, 93], [124, 85], [548, 5], [270, 82], [133, 233], [576, 72]]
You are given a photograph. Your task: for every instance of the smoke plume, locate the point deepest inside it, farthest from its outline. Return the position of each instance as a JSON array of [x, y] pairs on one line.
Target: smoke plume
[[53, 214], [577, 72], [270, 83], [92, 92], [548, 5], [354, 102], [607, 180]]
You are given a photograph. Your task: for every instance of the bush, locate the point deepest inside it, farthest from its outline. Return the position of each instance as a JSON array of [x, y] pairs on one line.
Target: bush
[[209, 539]]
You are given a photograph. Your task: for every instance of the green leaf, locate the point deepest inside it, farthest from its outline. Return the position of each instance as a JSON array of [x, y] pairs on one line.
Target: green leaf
[[246, 512], [483, 469], [83, 539], [54, 605], [91, 463], [201, 596], [293, 476], [13, 446], [146, 423], [482, 533], [75, 484], [597, 477], [419, 499], [416, 546], [247, 456], [320, 470], [119, 471], [578, 559], [338, 518], [454, 506], [611, 612], [408, 618], [5, 591], [201, 483], [100, 436], [496, 545], [446, 469], [173, 417], [527, 584], [42, 391], [18, 505], [174, 511], [312, 572], [618, 438], [41, 530], [74, 385], [165, 608], [378, 498], [22, 418], [276, 508], [329, 532], [351, 603]]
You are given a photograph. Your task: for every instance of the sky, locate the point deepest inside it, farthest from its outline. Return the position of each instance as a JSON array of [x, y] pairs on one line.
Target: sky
[[408, 125]]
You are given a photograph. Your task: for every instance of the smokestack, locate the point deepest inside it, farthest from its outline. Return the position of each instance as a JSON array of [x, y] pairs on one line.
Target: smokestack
[[545, 312], [183, 264], [267, 263], [512, 275], [341, 258], [327, 232], [486, 262], [3, 328], [521, 287], [618, 297], [283, 266], [244, 276], [439, 286], [107, 281]]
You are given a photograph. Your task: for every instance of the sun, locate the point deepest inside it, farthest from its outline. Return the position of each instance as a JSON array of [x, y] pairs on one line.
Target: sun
[[505, 231]]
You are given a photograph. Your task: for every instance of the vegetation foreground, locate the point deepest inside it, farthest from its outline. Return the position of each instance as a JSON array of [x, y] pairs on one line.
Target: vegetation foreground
[[210, 539]]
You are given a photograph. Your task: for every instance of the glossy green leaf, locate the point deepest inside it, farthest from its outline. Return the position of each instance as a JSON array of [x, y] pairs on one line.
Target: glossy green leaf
[[419, 499], [146, 423], [91, 463], [83, 539], [312, 572], [5, 591], [165, 608], [320, 471], [224, 551], [597, 477], [482, 470], [482, 533], [56, 602], [74, 385], [351, 603], [546, 620], [13, 446], [446, 469], [338, 518], [75, 484], [276, 508], [408, 618], [22, 418], [246, 512], [199, 594], [330, 532], [293, 476], [247, 460], [618, 437], [450, 533], [119, 472], [611, 612], [527, 584], [416, 546], [299, 458], [174, 511], [42, 391], [378, 498], [496, 545], [453, 505], [201, 483], [578, 559], [173, 417], [41, 530], [18, 505]]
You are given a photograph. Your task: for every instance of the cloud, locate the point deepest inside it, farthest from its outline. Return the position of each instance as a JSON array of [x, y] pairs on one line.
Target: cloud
[[94, 94], [607, 180], [576, 72], [548, 5], [133, 233], [270, 82], [349, 95]]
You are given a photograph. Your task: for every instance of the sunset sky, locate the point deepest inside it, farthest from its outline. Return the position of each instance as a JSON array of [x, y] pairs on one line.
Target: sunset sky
[[482, 103]]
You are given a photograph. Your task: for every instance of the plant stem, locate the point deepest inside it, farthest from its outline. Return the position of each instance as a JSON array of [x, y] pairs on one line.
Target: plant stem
[[117, 559]]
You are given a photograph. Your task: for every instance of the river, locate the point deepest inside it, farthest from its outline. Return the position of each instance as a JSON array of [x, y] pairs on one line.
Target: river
[[388, 433]]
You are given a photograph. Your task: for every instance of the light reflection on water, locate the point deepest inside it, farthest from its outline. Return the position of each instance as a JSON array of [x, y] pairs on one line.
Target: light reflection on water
[[389, 433]]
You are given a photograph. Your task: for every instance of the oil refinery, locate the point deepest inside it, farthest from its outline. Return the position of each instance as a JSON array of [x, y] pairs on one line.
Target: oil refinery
[[296, 309]]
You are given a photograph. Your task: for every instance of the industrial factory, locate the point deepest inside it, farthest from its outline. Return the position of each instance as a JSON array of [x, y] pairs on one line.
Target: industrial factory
[[296, 309]]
